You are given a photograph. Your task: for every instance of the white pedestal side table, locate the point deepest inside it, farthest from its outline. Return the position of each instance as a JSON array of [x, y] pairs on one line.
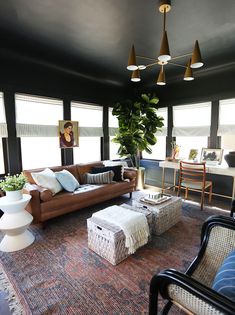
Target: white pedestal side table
[[14, 223]]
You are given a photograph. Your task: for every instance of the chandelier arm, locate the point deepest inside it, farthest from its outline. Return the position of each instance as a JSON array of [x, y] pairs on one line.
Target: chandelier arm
[[152, 64], [148, 58], [176, 64], [181, 56]]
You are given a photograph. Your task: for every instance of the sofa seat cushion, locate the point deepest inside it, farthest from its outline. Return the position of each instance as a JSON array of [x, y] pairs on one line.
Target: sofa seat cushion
[[224, 282], [118, 171], [47, 179], [67, 180], [67, 202]]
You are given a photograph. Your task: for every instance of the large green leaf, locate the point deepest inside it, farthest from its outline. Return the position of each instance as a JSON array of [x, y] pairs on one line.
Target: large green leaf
[[138, 122]]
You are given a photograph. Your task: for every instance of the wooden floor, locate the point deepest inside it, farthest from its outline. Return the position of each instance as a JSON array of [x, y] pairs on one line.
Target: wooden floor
[[218, 202]]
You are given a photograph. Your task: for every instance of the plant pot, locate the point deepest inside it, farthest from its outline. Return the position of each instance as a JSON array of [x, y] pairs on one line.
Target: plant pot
[[14, 195], [140, 178], [230, 158]]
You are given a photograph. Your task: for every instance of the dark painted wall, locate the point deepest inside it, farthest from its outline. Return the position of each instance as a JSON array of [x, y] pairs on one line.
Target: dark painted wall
[[27, 75]]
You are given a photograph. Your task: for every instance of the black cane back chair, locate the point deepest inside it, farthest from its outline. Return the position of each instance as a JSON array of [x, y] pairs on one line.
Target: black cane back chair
[[191, 291]]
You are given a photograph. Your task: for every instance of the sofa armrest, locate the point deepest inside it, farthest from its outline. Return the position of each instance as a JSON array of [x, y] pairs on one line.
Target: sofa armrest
[[130, 173], [34, 206]]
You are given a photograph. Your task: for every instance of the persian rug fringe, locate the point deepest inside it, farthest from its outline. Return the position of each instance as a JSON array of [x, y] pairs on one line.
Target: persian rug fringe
[[14, 304]]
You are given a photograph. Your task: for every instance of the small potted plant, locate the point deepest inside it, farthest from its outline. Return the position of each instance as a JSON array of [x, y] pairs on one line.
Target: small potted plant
[[13, 185]]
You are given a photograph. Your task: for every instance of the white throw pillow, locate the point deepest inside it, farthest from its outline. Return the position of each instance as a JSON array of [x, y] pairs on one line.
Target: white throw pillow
[[114, 163], [47, 179]]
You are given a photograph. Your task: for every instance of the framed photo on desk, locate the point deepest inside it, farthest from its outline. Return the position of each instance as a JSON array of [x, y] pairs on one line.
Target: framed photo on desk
[[211, 155]]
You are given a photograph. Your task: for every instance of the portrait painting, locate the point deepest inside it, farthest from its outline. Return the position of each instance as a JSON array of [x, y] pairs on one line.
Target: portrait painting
[[68, 134], [211, 155]]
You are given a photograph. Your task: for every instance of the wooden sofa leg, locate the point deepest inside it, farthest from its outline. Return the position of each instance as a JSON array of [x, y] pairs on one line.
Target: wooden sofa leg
[[130, 195], [44, 225]]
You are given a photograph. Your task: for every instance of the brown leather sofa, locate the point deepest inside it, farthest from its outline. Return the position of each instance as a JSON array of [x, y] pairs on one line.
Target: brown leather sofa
[[44, 206]]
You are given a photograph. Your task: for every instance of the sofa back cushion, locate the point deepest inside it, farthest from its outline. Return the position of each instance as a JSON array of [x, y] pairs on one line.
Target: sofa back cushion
[[67, 180], [86, 168], [47, 179], [118, 171], [71, 168], [100, 178]]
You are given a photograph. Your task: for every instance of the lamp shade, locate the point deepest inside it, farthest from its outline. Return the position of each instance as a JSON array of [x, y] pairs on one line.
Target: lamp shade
[[188, 75], [196, 61], [135, 76], [164, 54], [132, 60], [161, 78]]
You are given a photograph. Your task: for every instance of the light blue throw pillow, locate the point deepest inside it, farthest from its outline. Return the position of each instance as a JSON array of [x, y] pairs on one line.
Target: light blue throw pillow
[[67, 180], [224, 282]]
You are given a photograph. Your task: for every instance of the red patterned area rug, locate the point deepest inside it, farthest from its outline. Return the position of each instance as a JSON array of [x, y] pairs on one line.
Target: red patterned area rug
[[58, 274]]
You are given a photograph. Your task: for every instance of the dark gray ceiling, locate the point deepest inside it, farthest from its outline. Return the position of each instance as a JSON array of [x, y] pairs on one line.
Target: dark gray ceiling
[[92, 38]]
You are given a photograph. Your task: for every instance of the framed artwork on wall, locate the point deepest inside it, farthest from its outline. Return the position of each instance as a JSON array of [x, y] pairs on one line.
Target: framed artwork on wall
[[193, 155], [68, 134], [213, 156]]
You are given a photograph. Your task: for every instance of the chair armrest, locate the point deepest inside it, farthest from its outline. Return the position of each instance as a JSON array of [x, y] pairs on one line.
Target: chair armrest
[[206, 235], [171, 281]]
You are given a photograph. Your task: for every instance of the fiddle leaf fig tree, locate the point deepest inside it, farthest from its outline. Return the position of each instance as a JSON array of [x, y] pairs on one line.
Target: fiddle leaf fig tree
[[138, 124]]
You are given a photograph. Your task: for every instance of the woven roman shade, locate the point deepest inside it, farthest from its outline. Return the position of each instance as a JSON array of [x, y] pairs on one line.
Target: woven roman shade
[[90, 119], [192, 120], [3, 125], [37, 116], [226, 117]]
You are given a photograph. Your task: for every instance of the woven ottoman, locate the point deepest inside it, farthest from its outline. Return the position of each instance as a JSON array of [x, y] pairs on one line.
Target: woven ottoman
[[108, 240], [165, 214]]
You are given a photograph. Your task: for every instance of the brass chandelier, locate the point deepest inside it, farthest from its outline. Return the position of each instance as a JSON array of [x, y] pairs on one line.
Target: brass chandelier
[[164, 58]]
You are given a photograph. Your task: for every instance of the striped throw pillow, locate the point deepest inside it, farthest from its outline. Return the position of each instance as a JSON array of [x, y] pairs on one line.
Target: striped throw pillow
[[100, 178], [224, 282]]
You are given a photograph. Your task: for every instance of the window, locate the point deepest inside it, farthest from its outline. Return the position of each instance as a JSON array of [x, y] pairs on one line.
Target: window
[[3, 132], [159, 149], [37, 126], [191, 127], [227, 124], [113, 128], [90, 119]]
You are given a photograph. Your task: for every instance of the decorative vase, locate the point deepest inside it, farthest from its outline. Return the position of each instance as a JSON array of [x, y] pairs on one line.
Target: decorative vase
[[230, 158], [14, 195]]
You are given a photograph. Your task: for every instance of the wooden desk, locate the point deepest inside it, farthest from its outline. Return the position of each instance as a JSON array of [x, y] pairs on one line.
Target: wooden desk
[[219, 170]]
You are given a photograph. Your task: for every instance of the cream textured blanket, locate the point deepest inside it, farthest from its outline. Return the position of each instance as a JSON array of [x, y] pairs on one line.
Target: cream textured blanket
[[134, 225]]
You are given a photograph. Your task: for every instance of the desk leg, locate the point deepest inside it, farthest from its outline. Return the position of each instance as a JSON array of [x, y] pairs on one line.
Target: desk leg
[[233, 192], [163, 179], [174, 179]]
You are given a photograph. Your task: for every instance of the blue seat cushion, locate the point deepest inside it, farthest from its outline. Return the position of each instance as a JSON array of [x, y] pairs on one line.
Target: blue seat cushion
[[224, 282]]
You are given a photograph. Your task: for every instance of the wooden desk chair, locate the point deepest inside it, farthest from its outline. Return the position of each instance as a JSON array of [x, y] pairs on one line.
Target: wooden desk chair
[[192, 176]]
